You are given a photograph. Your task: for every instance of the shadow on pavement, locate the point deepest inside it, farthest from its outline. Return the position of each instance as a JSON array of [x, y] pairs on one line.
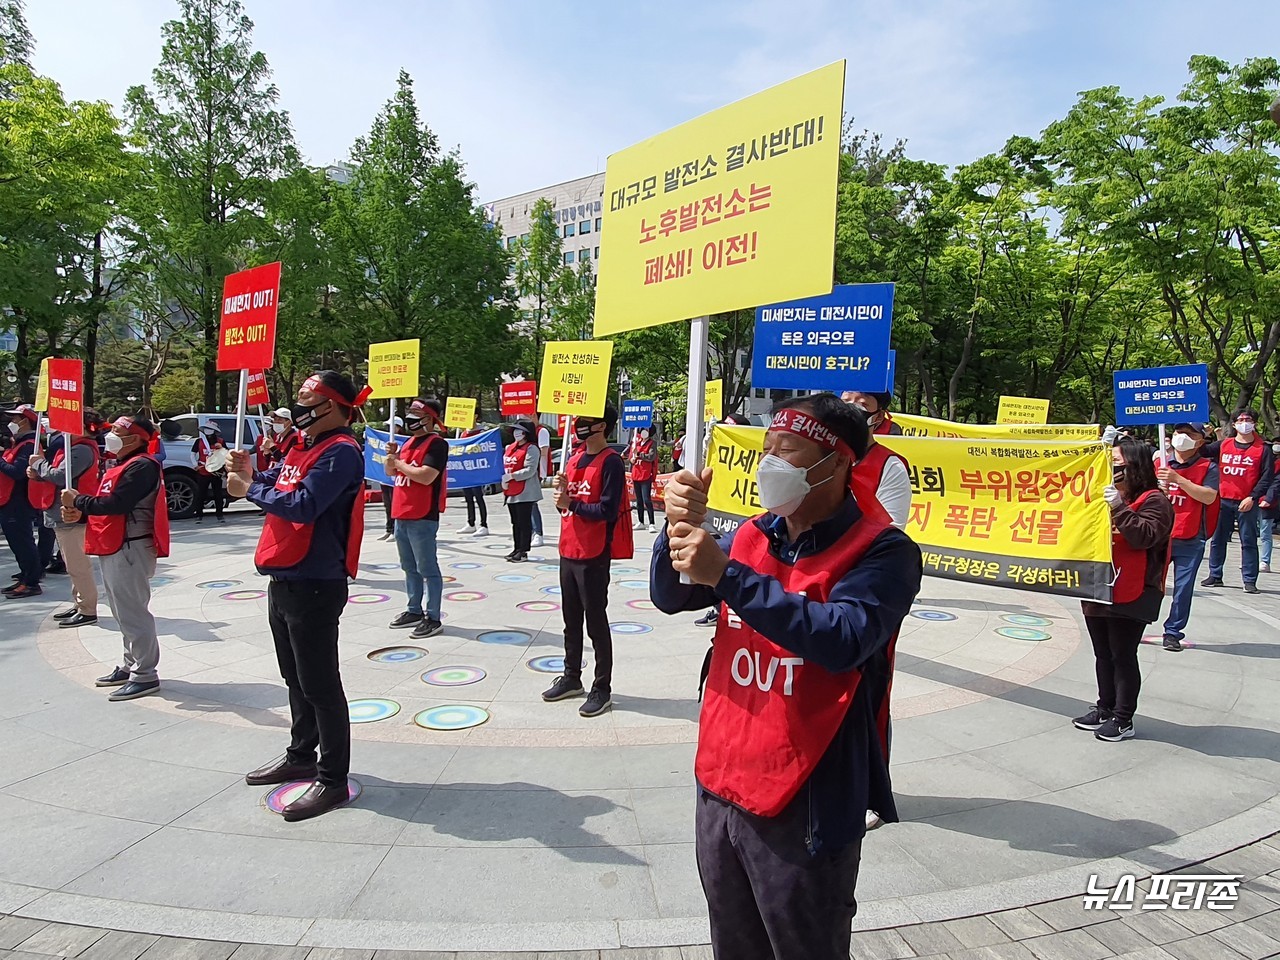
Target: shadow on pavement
[[190, 631], [254, 699]]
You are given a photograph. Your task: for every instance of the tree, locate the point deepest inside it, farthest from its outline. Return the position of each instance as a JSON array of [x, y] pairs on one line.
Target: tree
[[539, 260], [16, 43]]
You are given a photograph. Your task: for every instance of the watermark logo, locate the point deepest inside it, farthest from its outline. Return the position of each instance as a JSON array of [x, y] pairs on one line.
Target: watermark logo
[[1186, 891]]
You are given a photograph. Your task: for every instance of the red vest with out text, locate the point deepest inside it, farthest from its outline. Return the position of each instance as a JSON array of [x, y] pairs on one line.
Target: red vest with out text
[[585, 539], [643, 469], [767, 715], [1130, 563], [7, 483], [1239, 468], [513, 461], [415, 500], [104, 535], [866, 474], [1191, 518], [283, 543]]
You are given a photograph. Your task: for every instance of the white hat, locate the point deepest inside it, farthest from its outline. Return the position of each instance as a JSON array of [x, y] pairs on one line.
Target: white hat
[[399, 422], [284, 412]]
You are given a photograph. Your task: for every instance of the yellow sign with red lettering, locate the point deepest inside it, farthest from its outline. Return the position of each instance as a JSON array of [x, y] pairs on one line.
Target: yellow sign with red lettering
[[460, 413], [713, 405], [575, 377]]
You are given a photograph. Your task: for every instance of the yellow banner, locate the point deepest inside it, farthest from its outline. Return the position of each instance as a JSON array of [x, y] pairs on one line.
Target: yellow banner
[[1012, 513], [42, 387], [1022, 410], [575, 377], [713, 406], [393, 368], [460, 412], [733, 209], [914, 426]]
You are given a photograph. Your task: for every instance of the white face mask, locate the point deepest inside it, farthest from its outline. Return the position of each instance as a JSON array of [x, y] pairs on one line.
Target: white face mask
[[279, 427], [14, 427], [113, 443], [1245, 429], [782, 485], [1182, 443]]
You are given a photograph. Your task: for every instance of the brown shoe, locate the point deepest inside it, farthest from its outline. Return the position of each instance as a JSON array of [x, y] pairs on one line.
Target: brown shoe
[[281, 770], [318, 799]]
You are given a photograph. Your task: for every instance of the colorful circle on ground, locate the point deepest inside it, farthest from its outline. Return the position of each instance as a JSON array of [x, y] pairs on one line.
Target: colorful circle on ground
[[1023, 633], [371, 710], [454, 716], [641, 604], [495, 547], [449, 579], [242, 595], [546, 664], [634, 584], [453, 676], [162, 581], [630, 628], [1025, 620], [513, 578], [504, 636], [397, 654], [465, 596], [466, 565], [283, 795], [384, 566], [368, 598], [625, 571], [218, 584], [538, 606], [936, 615], [551, 591], [548, 568]]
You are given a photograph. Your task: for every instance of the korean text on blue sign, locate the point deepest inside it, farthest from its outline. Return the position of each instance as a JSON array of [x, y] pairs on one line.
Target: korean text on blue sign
[[637, 414], [836, 342], [1162, 395], [375, 451], [475, 461]]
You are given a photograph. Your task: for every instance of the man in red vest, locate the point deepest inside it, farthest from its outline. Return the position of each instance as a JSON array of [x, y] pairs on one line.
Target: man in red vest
[[791, 746], [127, 529], [51, 470], [879, 419], [17, 516], [881, 474], [1245, 472], [310, 546], [1191, 481]]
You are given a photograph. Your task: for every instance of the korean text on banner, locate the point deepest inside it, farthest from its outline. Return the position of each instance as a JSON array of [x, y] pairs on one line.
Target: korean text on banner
[[575, 377], [727, 211], [258, 395], [835, 342], [393, 369], [66, 396], [637, 414], [42, 386], [713, 405], [915, 426], [247, 334], [475, 461], [460, 413], [1162, 395], [519, 399], [375, 454], [1022, 410]]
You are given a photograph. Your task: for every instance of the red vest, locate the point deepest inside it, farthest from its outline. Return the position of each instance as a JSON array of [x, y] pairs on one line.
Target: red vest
[[1191, 518], [1131, 563], [284, 544], [768, 716], [7, 483], [104, 535], [643, 469], [41, 493], [1239, 468], [415, 500], [585, 539], [866, 474], [513, 460]]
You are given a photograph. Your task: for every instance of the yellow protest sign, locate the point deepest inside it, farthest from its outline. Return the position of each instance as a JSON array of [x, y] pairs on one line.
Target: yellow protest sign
[[575, 377], [915, 426], [42, 387], [393, 368], [713, 407], [1023, 410], [733, 209], [460, 412]]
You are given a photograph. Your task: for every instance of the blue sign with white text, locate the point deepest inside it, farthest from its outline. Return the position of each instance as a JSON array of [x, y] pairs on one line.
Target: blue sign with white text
[[474, 461], [837, 342], [893, 371], [1162, 395], [637, 414]]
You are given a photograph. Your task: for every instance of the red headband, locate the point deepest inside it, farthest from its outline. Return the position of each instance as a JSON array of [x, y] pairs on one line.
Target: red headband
[[421, 410], [806, 425], [126, 423], [319, 387]]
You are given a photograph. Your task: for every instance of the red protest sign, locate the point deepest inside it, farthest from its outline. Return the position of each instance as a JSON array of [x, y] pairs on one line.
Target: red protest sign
[[519, 399], [66, 396], [257, 395], [247, 335]]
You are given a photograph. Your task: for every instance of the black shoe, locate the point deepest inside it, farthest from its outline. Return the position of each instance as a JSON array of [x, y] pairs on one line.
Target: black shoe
[[316, 800], [563, 689], [280, 770], [79, 620], [511, 554], [116, 678], [598, 702], [427, 628], [66, 614], [1092, 720], [519, 558], [1211, 582], [133, 690], [708, 619], [56, 567], [1251, 588], [1113, 731], [20, 590], [1172, 643], [405, 619]]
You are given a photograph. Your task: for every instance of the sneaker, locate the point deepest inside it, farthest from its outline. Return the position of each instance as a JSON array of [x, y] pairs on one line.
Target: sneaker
[[133, 690], [468, 529], [116, 678], [427, 628], [1251, 588], [873, 820], [563, 689], [20, 590], [1092, 720], [653, 528], [1265, 568], [638, 525], [482, 532], [537, 541], [597, 703], [405, 619], [708, 619], [518, 558], [56, 567], [1172, 643], [386, 536], [1113, 732], [1211, 582], [66, 614], [79, 620]]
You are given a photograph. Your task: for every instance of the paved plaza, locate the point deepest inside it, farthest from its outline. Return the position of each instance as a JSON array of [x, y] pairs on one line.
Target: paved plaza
[[519, 826]]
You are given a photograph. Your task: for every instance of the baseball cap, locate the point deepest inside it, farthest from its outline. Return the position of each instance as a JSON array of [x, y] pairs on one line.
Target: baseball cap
[[24, 410], [283, 412], [1192, 426]]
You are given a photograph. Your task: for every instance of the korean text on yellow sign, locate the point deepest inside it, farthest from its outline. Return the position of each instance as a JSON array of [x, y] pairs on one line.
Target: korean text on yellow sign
[[713, 406], [914, 426], [42, 387], [393, 368], [575, 377], [460, 412], [730, 210], [1023, 410]]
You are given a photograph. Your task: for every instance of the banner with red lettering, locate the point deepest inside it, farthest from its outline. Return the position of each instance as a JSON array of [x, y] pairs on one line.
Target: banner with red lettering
[[247, 335], [258, 395], [519, 399], [66, 396]]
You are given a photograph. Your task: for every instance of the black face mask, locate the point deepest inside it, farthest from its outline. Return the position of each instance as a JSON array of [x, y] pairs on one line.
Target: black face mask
[[304, 417], [583, 430], [412, 424], [1117, 473]]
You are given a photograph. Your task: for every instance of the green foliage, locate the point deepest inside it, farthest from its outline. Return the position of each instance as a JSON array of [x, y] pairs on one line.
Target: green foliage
[[177, 392]]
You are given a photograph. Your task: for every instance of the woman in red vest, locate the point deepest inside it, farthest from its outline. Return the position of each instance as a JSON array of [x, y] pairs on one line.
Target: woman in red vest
[[644, 467], [1141, 525], [520, 486]]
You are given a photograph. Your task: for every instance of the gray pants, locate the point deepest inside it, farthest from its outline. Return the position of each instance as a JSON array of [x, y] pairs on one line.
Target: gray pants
[[126, 579]]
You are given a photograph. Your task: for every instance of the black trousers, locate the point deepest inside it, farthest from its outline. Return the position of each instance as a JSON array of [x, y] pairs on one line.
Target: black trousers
[[18, 522], [1115, 653], [386, 505], [210, 481], [644, 499], [303, 615], [767, 897], [475, 501], [584, 595], [521, 525]]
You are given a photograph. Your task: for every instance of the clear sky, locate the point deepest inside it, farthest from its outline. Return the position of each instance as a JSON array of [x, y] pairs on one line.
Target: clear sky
[[534, 92]]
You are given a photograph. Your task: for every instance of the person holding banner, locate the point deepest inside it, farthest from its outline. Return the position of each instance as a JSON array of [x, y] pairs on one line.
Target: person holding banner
[[791, 746], [1191, 482], [1246, 468], [644, 467], [18, 517], [210, 479], [520, 466], [84, 478], [309, 547]]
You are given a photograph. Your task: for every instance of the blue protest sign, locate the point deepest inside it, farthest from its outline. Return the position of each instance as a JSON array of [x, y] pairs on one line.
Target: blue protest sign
[[475, 461], [836, 342], [893, 371], [375, 449], [1162, 395], [637, 414]]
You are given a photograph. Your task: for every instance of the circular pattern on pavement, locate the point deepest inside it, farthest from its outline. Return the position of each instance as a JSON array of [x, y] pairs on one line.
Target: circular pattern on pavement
[[162, 581], [513, 578], [642, 604], [634, 584], [466, 565], [548, 568], [626, 571], [1023, 633], [243, 595], [453, 676], [465, 596], [630, 628], [218, 584], [397, 654], [551, 591], [495, 547], [368, 598], [371, 710], [538, 606], [383, 566], [546, 664], [1025, 620], [459, 716], [283, 795], [504, 636], [934, 615]]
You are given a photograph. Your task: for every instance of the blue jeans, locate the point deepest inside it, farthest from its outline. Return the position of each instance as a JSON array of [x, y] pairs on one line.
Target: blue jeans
[[1265, 528], [1227, 522], [416, 542], [18, 522], [537, 520], [1186, 555]]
